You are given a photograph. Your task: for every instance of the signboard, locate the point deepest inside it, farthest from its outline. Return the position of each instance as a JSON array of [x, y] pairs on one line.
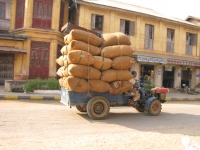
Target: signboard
[[183, 68], [168, 68], [179, 74], [150, 59], [159, 73]]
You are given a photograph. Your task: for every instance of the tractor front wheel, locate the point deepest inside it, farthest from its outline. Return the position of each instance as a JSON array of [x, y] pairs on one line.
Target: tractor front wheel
[[155, 108]]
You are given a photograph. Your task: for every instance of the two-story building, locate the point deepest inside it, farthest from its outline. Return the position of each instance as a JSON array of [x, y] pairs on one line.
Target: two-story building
[[166, 49]]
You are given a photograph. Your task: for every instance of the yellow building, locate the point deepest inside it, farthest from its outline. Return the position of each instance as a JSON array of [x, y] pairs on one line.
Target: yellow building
[[166, 49], [34, 39]]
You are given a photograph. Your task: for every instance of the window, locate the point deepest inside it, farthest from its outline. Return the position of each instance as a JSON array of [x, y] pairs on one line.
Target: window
[[127, 27], [191, 40], [19, 23], [149, 35], [2, 10], [170, 40], [62, 7], [42, 13], [97, 22]]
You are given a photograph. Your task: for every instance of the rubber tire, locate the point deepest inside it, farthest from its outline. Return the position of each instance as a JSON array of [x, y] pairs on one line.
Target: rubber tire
[[155, 108], [81, 109], [98, 103]]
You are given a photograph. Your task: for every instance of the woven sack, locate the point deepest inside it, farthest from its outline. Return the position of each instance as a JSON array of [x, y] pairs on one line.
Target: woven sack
[[83, 36], [79, 45], [118, 84], [61, 80], [117, 38], [82, 71], [117, 50], [64, 50], [75, 84], [62, 60], [114, 91], [102, 63], [113, 75], [80, 57], [61, 71], [122, 62], [99, 86]]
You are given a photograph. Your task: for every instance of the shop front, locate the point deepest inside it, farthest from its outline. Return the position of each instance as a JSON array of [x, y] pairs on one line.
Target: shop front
[[167, 72]]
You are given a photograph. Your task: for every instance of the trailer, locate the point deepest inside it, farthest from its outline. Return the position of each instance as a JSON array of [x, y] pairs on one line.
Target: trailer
[[97, 104]]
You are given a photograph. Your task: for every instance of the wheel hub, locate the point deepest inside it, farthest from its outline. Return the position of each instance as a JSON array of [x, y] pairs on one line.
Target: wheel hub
[[98, 108], [155, 107]]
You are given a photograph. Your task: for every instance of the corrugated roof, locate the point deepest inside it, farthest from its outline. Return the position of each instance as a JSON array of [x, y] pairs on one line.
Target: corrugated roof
[[133, 8]]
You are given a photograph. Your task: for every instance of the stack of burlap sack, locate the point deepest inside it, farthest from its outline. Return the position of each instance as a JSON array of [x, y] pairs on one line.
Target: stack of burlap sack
[[98, 64]]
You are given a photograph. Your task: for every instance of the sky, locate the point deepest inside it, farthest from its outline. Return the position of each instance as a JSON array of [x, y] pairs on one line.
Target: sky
[[175, 8]]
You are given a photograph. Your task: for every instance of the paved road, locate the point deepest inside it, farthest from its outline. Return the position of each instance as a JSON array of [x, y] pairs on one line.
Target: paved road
[[46, 125]]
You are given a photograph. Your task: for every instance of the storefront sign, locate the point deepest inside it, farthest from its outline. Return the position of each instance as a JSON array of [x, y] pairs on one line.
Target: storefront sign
[[150, 59], [159, 73], [179, 74], [183, 68], [182, 62], [168, 68]]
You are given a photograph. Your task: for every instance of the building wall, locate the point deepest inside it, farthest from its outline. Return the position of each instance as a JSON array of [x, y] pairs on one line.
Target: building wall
[[112, 24], [53, 36]]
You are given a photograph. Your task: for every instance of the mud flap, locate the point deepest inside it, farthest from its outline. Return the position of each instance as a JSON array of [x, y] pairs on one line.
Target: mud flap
[[148, 102]]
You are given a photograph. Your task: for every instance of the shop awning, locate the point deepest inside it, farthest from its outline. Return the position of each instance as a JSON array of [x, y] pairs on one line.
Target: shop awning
[[12, 50], [165, 59]]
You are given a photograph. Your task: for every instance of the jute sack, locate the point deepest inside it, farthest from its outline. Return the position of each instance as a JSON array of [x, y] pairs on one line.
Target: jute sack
[[62, 60], [82, 71], [118, 84], [61, 80], [80, 57], [114, 91], [124, 87], [79, 45], [102, 63], [113, 75], [117, 50], [99, 86], [64, 50], [122, 62], [61, 71], [83, 36], [75, 84], [117, 38]]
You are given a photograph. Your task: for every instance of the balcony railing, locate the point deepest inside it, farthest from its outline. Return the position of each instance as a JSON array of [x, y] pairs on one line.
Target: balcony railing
[[5, 24]]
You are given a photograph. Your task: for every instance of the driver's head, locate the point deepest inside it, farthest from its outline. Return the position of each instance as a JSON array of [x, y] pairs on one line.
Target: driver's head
[[134, 73]]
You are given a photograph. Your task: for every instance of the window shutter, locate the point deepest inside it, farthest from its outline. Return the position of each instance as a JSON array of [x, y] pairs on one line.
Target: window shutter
[[194, 40], [93, 21], [152, 32], [150, 43], [122, 25], [132, 28], [146, 31], [168, 35]]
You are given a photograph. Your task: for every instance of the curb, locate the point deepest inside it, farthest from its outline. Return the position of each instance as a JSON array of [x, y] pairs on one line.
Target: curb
[[26, 97], [21, 97]]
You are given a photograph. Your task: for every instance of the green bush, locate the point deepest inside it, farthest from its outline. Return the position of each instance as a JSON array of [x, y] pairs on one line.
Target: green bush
[[148, 85], [48, 84]]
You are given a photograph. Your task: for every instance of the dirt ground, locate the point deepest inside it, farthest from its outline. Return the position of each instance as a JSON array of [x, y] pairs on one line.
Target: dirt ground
[[49, 125]]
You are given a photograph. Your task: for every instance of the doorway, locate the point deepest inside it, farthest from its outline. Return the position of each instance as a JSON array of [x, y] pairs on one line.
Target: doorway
[[168, 77]]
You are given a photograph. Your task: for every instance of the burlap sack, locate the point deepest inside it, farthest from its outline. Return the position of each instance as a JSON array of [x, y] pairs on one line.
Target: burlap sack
[[64, 50], [75, 84], [61, 80], [80, 57], [62, 60], [99, 86], [61, 71], [102, 63], [122, 62], [117, 38], [83, 36], [113, 75], [117, 50], [79, 45], [124, 86], [82, 71]]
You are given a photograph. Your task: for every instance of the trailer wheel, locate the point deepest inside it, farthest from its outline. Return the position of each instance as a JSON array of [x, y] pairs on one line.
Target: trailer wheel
[[98, 108], [155, 108], [81, 108]]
